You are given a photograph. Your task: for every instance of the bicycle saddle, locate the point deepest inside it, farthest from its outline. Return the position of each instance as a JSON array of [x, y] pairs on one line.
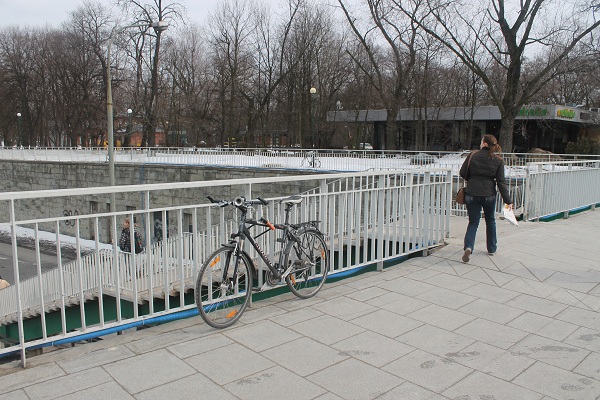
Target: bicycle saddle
[[295, 199]]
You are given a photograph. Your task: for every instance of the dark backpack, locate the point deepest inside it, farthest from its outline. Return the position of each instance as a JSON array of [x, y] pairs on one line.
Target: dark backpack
[[138, 243]]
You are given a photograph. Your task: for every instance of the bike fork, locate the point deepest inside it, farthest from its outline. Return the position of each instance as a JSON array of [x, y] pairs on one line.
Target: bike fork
[[235, 254]]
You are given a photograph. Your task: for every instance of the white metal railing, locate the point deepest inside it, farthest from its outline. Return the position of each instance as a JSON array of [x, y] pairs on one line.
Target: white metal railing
[[37, 293], [558, 187], [294, 158], [367, 218]]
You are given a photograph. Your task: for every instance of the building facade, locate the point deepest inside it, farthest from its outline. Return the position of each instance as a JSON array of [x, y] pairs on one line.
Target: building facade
[[550, 127]]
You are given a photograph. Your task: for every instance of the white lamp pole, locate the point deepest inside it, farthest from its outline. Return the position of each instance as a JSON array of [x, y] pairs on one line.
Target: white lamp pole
[[130, 126], [313, 92], [19, 124]]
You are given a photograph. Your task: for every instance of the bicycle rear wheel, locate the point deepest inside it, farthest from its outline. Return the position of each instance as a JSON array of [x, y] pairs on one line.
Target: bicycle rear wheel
[[310, 260], [221, 297]]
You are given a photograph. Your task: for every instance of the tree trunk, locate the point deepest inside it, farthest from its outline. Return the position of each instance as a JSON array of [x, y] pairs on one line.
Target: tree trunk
[[506, 131], [391, 127]]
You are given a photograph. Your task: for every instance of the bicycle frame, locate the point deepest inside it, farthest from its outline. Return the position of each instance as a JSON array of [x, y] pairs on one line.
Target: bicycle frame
[[222, 295], [244, 233], [237, 239]]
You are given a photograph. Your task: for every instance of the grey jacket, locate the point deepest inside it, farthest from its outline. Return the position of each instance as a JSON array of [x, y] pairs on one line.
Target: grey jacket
[[484, 174]]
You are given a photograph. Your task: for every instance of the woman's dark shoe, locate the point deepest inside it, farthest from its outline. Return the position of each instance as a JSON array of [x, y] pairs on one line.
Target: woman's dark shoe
[[466, 255]]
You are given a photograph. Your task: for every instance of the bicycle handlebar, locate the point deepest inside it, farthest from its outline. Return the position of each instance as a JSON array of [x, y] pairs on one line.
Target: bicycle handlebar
[[239, 202]]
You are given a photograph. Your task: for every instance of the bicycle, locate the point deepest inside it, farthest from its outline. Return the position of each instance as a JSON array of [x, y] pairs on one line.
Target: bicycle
[[311, 160], [227, 278]]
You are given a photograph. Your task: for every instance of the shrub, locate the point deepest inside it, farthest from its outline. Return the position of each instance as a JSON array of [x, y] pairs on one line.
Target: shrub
[[583, 146]]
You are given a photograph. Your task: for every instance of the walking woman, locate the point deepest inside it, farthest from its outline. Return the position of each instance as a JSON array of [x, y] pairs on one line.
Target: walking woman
[[484, 171]]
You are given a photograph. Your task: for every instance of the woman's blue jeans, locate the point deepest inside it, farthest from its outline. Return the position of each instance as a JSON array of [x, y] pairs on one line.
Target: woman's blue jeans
[[474, 206]]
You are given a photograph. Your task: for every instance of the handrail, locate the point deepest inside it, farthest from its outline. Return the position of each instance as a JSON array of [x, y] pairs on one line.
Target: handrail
[[357, 211]]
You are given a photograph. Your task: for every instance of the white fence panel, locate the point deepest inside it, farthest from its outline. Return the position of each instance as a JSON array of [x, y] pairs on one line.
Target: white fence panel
[[367, 218], [559, 187]]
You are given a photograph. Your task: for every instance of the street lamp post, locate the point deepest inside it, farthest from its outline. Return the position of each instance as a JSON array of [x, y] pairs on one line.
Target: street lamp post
[[158, 27], [313, 92], [19, 125], [129, 126]]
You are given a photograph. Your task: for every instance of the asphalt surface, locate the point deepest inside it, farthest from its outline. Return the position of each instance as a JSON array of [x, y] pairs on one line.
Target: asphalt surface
[[28, 259]]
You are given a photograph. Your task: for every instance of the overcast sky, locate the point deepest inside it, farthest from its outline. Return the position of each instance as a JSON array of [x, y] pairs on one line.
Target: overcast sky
[[38, 13]]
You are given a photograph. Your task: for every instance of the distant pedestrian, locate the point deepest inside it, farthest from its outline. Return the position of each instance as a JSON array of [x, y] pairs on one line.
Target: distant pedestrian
[[3, 283], [125, 239], [484, 171]]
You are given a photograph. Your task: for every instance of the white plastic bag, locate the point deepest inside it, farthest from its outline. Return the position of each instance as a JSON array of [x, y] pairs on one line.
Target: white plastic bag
[[509, 215]]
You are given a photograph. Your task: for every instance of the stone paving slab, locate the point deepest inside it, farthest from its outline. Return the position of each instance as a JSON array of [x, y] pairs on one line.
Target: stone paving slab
[[149, 370], [492, 360], [481, 386], [305, 356], [558, 383], [275, 383], [429, 371], [354, 379], [523, 324], [68, 384]]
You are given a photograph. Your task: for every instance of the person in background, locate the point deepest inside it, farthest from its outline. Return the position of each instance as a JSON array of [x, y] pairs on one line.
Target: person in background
[[3, 283], [125, 239], [484, 173]]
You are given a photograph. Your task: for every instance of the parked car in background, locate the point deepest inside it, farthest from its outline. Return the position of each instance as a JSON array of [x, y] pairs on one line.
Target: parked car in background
[[365, 146]]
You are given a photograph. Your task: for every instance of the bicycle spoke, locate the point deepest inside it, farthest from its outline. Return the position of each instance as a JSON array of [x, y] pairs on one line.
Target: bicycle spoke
[[221, 297], [311, 264]]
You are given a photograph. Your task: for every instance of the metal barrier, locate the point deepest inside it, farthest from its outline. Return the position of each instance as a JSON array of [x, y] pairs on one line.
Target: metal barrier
[[560, 187], [367, 217], [288, 158], [294, 158]]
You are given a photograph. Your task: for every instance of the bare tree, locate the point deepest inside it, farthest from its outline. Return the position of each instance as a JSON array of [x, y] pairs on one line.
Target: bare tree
[[574, 82], [511, 31], [334, 77], [271, 42], [400, 34], [193, 86], [231, 27], [79, 64], [26, 85], [151, 12]]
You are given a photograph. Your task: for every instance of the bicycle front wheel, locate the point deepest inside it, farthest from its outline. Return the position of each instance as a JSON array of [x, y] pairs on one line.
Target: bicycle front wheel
[[309, 259], [221, 294]]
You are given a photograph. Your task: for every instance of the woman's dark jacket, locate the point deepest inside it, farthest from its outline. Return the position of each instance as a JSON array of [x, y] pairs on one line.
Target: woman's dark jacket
[[484, 174]]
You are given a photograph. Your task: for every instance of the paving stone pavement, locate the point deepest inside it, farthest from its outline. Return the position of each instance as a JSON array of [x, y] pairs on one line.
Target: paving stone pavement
[[523, 324]]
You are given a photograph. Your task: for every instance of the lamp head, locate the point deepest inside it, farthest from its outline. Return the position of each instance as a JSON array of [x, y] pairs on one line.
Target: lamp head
[[313, 90], [160, 26], [18, 115]]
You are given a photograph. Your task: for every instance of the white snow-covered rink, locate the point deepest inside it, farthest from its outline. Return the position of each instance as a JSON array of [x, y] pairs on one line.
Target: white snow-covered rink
[[325, 160]]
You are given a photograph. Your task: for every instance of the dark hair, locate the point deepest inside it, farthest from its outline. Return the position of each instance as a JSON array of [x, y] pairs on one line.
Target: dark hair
[[493, 145]]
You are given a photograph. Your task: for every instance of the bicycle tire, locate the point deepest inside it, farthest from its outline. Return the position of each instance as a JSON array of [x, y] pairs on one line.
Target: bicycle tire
[[221, 305], [317, 163], [311, 258]]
